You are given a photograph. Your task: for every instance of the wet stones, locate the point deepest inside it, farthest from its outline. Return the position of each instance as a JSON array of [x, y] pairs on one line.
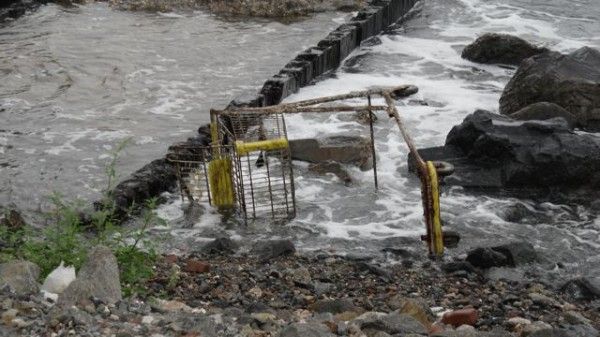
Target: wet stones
[[500, 48]]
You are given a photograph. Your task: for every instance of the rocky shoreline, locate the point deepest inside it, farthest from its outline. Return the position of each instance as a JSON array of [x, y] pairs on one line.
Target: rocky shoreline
[[269, 289]]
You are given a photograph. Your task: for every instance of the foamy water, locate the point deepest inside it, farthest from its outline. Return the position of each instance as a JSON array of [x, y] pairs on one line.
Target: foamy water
[[426, 53]]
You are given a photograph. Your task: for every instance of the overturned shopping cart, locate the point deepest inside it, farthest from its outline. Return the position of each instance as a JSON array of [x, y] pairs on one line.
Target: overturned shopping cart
[[247, 166]]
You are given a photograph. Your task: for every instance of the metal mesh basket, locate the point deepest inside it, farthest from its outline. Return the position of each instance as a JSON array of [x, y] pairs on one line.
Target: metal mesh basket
[[259, 169]]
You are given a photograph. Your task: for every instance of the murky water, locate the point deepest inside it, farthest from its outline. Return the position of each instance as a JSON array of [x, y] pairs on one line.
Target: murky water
[[157, 80], [76, 82], [426, 53]]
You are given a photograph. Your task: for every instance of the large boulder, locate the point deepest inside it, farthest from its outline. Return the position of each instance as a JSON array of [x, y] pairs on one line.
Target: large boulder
[[98, 277], [20, 276], [500, 48], [490, 150], [571, 81], [542, 111], [507, 255], [354, 150]]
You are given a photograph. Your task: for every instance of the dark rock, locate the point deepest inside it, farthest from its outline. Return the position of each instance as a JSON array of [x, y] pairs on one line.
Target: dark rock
[[98, 277], [305, 330], [20, 276], [354, 150], [583, 288], [501, 152], [192, 323], [150, 181], [12, 9], [511, 254], [544, 111], [268, 250], [221, 246], [500, 48], [517, 253], [451, 267], [335, 306], [573, 331], [571, 81], [486, 258], [332, 167], [12, 220]]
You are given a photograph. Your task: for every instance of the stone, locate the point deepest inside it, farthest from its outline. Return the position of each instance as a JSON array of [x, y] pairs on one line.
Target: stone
[[221, 246], [20, 276], [353, 150], [500, 48], [543, 300], [271, 249], [415, 308], [196, 266], [571, 81], [517, 253], [150, 181], [582, 289], [544, 111], [98, 277], [538, 327], [189, 323], [493, 151], [573, 317], [331, 167], [305, 330], [461, 317], [334, 306], [392, 323], [486, 258], [13, 220], [9, 315]]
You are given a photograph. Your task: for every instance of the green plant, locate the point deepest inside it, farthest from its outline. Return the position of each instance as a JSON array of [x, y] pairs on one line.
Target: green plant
[[65, 239]]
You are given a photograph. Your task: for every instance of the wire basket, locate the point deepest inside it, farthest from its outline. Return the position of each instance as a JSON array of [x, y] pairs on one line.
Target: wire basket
[[248, 167]]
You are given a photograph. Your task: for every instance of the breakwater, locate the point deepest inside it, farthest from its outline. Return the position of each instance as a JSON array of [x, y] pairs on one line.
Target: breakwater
[[307, 67]]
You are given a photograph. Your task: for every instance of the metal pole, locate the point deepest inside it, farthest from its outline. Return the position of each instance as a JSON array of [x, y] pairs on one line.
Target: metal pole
[[372, 143]]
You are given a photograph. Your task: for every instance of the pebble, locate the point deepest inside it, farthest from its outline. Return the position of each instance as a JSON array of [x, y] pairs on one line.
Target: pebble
[[147, 319], [196, 266]]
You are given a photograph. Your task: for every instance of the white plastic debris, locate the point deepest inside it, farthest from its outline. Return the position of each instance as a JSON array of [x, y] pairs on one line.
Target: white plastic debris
[[59, 279]]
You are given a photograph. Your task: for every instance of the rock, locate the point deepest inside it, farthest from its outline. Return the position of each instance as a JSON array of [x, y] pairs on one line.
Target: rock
[[268, 250], [335, 306], [192, 324], [486, 258], [150, 181], [573, 317], [353, 150], [583, 288], [454, 266], [392, 323], [493, 151], [221, 246], [544, 111], [538, 327], [570, 81], [543, 300], [518, 253], [518, 322], [415, 308], [161, 305], [331, 167], [305, 330], [461, 317], [21, 276], [98, 277], [9, 315], [196, 266], [12, 220], [500, 48]]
